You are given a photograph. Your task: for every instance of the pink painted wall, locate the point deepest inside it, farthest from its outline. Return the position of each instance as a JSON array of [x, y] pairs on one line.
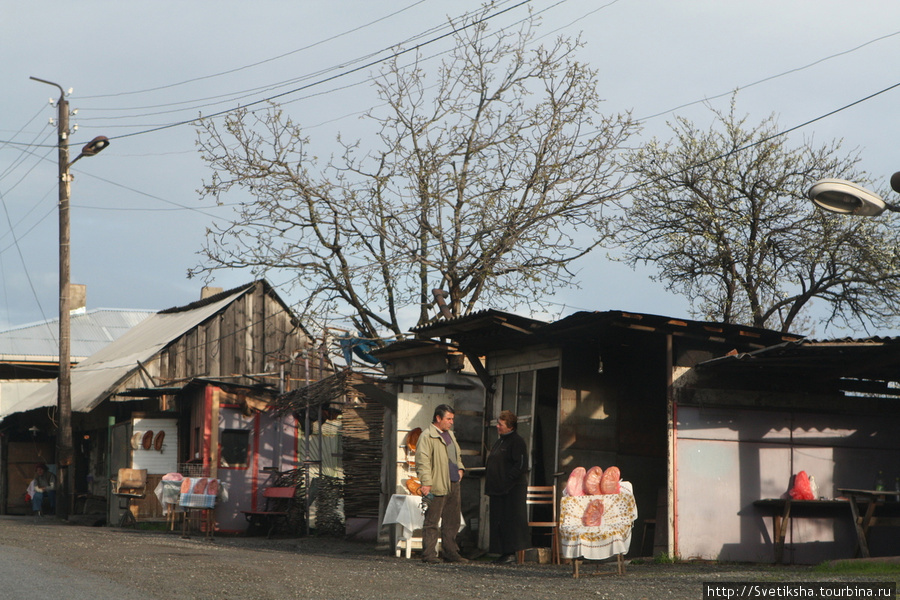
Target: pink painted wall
[[728, 458]]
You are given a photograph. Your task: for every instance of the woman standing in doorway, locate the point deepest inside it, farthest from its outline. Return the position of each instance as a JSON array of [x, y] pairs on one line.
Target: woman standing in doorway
[[506, 483]]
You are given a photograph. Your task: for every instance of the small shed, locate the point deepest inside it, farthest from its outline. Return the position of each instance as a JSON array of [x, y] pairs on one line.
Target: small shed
[[29, 360], [748, 422]]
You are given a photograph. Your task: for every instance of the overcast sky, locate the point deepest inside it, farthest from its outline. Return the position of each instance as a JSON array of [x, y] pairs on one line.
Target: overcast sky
[[141, 71]]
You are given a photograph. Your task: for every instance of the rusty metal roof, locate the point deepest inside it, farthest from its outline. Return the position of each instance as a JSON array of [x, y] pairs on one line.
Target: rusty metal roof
[[484, 319]]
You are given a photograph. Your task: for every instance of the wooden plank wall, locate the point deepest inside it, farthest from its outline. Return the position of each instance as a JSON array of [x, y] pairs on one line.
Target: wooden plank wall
[[253, 335]]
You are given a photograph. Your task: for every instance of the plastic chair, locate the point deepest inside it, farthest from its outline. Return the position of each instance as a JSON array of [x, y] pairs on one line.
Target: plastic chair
[[544, 495]]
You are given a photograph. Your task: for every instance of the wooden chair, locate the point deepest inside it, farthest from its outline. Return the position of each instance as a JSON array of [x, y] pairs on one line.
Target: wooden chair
[[544, 495], [130, 485]]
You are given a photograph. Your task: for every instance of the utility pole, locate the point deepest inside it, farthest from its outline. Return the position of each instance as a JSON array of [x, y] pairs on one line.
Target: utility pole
[[65, 451]]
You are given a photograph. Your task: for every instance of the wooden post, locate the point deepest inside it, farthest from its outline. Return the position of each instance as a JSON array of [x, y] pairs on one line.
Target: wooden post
[[214, 434]]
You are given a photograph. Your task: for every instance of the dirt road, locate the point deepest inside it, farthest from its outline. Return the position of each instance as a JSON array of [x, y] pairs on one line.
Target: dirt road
[[122, 564]]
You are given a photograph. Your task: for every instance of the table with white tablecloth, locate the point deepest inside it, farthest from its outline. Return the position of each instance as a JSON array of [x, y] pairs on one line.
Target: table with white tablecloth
[[404, 511], [611, 537]]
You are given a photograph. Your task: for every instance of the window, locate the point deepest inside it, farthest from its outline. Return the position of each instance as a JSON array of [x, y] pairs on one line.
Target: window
[[235, 447]]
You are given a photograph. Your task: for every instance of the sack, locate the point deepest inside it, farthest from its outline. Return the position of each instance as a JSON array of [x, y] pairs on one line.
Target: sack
[[27, 498]]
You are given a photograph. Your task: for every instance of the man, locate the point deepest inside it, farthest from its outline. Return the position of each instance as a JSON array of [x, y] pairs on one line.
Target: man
[[440, 469]]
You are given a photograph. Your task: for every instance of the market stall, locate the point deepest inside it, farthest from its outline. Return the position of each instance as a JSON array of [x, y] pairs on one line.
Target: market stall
[[611, 537], [405, 512], [193, 497]]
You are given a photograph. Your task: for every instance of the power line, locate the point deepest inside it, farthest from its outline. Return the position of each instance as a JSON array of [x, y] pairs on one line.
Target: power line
[[767, 139], [162, 126], [333, 77], [238, 95], [261, 62], [770, 78], [344, 73]]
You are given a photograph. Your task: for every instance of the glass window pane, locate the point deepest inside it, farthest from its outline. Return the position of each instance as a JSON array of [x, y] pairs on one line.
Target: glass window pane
[[235, 447], [524, 394], [508, 401]]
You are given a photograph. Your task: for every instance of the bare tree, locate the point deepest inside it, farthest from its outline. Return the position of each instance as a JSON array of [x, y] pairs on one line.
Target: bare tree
[[479, 182], [723, 215]]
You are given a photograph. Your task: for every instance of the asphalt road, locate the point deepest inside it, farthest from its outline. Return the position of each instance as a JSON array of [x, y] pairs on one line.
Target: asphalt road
[[52, 559]]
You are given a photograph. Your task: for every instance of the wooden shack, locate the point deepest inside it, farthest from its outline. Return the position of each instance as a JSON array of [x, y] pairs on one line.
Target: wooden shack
[[205, 373]]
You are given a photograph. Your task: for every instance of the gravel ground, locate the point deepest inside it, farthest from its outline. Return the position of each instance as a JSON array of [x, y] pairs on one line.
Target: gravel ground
[[163, 565]]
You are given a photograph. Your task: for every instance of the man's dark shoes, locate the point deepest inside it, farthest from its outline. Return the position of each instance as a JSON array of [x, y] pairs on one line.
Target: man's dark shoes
[[431, 561], [455, 559], [506, 559]]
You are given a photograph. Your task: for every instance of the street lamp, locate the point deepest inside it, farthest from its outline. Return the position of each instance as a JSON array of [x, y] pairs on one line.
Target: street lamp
[[847, 198], [65, 451]]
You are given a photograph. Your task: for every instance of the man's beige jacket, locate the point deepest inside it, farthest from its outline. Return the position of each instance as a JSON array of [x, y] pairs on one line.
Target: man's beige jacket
[[432, 461]]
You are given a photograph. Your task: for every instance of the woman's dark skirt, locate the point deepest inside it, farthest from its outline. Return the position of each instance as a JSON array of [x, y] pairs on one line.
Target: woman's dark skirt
[[509, 522]]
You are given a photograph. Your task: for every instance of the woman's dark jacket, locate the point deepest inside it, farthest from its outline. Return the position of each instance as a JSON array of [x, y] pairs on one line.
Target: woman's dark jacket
[[507, 465]]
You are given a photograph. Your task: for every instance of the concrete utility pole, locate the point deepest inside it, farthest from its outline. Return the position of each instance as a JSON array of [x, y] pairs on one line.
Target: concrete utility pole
[[65, 452]]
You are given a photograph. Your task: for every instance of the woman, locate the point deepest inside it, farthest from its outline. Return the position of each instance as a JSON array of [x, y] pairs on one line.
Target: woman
[[506, 482], [43, 484]]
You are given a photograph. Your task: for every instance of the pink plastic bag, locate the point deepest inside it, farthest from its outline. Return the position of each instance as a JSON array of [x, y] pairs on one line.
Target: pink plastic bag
[[575, 485], [593, 514], [609, 483], [801, 489], [592, 481]]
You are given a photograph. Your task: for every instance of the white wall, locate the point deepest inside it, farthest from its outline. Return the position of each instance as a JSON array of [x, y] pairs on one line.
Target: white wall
[[157, 462], [413, 410]]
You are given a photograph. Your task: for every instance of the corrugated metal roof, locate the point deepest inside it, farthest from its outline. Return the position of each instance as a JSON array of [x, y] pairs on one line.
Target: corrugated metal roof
[[875, 358], [677, 326], [95, 378], [477, 320], [494, 330], [90, 332]]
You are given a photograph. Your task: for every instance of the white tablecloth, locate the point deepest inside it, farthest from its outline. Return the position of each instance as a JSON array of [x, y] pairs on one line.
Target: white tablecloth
[[611, 537], [406, 510], [168, 493]]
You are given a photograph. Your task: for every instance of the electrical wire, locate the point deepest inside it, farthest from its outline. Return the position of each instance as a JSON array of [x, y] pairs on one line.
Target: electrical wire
[[344, 73], [258, 63], [769, 78], [241, 94], [157, 127], [327, 79], [22, 259], [627, 190]]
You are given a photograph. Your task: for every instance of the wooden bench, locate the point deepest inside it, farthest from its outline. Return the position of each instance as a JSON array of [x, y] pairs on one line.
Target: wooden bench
[[278, 502]]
